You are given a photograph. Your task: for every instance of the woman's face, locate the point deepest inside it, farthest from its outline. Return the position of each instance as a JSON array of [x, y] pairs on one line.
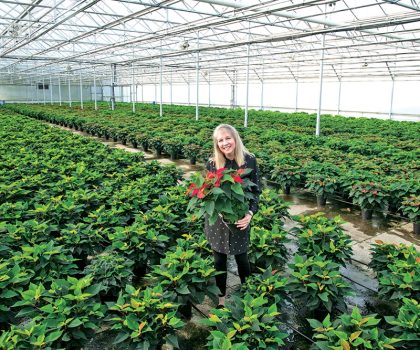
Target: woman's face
[[226, 143]]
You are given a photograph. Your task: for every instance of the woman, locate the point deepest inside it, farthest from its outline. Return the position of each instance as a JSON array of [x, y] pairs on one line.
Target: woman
[[229, 152]]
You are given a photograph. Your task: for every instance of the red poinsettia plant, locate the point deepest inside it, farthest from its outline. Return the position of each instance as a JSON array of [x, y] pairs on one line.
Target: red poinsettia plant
[[224, 192]]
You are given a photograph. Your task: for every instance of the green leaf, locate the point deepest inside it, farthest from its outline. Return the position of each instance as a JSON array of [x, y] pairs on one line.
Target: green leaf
[[120, 338], [75, 323], [53, 336]]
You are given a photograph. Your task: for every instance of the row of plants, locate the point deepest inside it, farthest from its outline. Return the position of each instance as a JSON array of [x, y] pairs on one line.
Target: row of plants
[[77, 242], [74, 275], [254, 317], [375, 174]]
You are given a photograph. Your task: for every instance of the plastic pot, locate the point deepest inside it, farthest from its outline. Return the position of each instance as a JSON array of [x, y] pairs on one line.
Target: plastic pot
[[321, 200], [367, 214]]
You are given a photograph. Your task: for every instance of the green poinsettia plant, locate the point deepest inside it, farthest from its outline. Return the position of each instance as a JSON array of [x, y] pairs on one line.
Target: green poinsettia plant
[[224, 192], [411, 208]]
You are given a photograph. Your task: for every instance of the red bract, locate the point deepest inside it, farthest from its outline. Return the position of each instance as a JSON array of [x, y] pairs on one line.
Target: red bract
[[190, 189], [200, 192], [238, 179], [210, 175]]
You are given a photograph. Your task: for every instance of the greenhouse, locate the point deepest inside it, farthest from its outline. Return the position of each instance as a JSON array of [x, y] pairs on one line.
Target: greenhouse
[[133, 217]]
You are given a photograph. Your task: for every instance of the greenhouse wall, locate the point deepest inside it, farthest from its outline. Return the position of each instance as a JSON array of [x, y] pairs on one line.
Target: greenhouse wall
[[359, 99], [35, 93]]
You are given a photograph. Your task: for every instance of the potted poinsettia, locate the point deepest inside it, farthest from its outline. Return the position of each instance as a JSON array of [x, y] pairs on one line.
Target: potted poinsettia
[[321, 185], [369, 196], [223, 193], [410, 207]]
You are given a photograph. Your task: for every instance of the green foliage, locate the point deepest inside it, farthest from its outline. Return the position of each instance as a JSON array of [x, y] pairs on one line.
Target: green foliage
[[247, 323], [410, 207], [406, 326], [48, 261], [267, 284], [112, 270], [350, 332], [321, 185], [385, 254], [272, 210], [267, 248], [317, 282], [144, 318], [318, 235], [188, 275], [139, 242], [369, 195], [400, 280], [68, 313], [13, 279], [287, 171]]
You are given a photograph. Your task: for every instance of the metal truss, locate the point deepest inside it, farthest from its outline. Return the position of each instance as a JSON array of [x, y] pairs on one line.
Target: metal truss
[[259, 40]]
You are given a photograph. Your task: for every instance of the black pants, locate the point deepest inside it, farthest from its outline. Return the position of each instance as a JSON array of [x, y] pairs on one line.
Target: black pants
[[220, 264]]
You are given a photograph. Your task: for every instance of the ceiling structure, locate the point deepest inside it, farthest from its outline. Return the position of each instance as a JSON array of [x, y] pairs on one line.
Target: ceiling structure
[[276, 39]]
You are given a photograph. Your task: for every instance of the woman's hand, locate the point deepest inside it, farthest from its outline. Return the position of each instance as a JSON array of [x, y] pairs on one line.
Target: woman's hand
[[244, 222]]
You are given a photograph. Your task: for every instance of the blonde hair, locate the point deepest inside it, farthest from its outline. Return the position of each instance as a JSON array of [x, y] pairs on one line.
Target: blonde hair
[[240, 150]]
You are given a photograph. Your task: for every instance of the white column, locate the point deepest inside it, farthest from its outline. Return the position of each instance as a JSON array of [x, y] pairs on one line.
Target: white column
[[392, 97], [43, 87], [296, 94], [247, 87], [59, 90], [51, 92], [339, 95], [197, 77], [209, 86], [69, 92], [170, 88], [81, 89], [133, 97], [161, 87], [321, 76], [94, 89]]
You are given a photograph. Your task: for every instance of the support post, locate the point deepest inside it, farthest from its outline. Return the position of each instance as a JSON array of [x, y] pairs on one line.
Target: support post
[[209, 87], [69, 92], [37, 92], [95, 98], [59, 90], [133, 97], [197, 76], [170, 88], [321, 76], [247, 87], [113, 79], [43, 87], [233, 91], [51, 92], [296, 94], [392, 97], [339, 95], [81, 89], [161, 86]]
